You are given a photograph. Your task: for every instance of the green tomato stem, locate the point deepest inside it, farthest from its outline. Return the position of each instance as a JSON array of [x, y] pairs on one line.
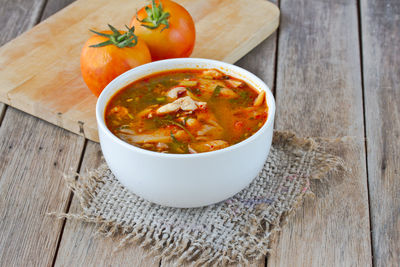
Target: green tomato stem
[[128, 39], [156, 17]]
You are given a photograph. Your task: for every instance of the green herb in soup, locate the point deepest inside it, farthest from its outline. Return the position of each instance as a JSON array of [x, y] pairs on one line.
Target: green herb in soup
[[186, 111]]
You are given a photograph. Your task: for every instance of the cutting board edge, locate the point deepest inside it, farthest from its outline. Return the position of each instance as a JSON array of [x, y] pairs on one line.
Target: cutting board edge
[[74, 126], [237, 53]]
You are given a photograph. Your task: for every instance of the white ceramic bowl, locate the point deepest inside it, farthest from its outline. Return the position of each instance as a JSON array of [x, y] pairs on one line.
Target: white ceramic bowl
[[188, 180]]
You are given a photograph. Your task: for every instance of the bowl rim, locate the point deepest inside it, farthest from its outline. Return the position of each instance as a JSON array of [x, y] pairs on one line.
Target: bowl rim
[[250, 76]]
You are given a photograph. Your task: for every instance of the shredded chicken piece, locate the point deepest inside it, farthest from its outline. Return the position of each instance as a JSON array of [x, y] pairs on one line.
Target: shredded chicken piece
[[168, 108], [184, 103], [146, 112], [151, 138], [174, 92], [228, 93], [206, 129], [191, 123], [210, 131], [208, 146], [213, 121], [260, 99], [212, 73], [201, 138], [249, 112], [127, 131], [188, 104], [162, 146], [132, 136], [234, 83], [208, 86]]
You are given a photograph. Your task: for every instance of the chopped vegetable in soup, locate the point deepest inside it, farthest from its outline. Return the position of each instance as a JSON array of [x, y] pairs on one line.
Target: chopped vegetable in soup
[[186, 111]]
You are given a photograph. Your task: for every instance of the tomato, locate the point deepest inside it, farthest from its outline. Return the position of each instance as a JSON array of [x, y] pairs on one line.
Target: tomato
[[167, 28], [108, 54]]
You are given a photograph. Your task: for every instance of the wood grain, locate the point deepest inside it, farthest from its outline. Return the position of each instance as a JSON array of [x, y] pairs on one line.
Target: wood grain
[[16, 16], [172, 263], [381, 58], [319, 93], [34, 156], [45, 81], [80, 247]]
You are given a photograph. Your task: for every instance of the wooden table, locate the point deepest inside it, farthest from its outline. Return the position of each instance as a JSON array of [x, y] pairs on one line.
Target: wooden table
[[335, 70]]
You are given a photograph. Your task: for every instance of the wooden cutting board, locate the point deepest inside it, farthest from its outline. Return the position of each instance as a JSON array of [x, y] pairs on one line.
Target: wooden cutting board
[[40, 72]]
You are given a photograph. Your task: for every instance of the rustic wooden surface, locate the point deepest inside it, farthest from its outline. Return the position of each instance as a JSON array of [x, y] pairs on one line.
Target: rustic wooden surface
[[337, 74], [319, 93], [46, 81], [380, 21], [17, 16], [79, 245]]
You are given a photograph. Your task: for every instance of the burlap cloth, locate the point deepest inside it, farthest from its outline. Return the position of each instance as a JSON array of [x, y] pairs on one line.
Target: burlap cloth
[[238, 230]]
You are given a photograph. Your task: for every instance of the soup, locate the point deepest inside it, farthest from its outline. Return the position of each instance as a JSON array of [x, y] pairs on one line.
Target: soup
[[186, 111]]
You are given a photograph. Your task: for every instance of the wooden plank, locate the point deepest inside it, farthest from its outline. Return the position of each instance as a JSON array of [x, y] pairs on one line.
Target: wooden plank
[[319, 93], [16, 16], [79, 247], [171, 263], [35, 154], [380, 22], [44, 79]]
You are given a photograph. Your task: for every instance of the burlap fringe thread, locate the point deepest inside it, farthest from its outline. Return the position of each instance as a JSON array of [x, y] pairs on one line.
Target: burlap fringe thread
[[264, 222]]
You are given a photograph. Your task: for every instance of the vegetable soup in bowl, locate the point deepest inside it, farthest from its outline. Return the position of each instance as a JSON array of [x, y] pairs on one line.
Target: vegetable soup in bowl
[[186, 132]]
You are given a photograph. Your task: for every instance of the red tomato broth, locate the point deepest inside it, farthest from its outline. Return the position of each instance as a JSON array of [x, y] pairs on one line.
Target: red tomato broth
[[215, 111]]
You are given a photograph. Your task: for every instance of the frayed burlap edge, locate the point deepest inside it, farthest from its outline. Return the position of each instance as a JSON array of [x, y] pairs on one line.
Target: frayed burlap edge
[[182, 250]]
